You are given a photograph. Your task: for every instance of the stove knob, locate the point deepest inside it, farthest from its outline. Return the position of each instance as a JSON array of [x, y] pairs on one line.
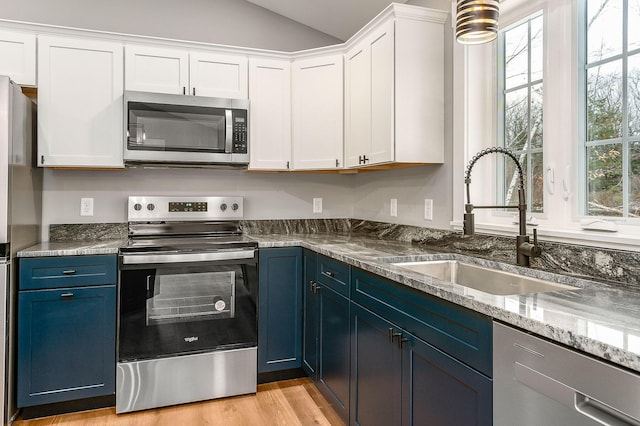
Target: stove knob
[[235, 206], [151, 207], [223, 206], [137, 207]]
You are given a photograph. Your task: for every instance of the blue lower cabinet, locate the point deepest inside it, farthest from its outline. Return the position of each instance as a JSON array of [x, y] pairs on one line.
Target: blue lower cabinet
[[66, 344], [280, 309], [440, 390], [311, 306], [334, 350], [376, 369]]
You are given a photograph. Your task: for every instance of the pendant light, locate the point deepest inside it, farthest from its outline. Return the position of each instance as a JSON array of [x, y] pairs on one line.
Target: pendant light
[[476, 21]]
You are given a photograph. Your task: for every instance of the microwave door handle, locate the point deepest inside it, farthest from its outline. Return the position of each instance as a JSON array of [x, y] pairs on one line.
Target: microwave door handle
[[228, 114]]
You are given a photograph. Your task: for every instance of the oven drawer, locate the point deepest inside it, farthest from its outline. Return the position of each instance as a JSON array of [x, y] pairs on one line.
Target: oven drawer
[[68, 271]]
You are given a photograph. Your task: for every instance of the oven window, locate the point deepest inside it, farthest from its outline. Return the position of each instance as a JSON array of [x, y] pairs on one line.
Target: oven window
[[159, 127], [172, 310], [196, 297]]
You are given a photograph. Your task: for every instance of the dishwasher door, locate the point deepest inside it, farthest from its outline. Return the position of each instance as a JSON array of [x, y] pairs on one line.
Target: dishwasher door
[[536, 382]]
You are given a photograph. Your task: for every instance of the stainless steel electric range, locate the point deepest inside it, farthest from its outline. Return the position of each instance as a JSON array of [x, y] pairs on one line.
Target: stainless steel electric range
[[188, 286]]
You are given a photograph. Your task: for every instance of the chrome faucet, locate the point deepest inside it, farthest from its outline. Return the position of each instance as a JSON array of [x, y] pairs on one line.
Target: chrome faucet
[[524, 249]]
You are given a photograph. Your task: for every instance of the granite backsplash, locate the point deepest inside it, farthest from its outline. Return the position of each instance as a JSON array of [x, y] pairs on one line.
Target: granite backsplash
[[616, 266]]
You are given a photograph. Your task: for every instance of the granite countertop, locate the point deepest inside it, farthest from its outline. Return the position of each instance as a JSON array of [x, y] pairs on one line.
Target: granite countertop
[[597, 318]]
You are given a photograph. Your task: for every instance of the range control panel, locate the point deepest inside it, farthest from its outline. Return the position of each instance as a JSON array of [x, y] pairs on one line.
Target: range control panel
[[153, 208]]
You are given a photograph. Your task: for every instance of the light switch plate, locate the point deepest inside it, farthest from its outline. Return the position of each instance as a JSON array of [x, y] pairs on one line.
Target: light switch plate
[[317, 205], [428, 209]]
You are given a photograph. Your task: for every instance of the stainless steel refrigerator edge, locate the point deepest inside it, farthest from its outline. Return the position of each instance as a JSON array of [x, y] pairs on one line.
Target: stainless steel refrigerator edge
[[20, 219]]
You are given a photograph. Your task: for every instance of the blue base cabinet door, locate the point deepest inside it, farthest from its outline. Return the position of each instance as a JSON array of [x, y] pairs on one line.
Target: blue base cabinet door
[[334, 351], [66, 344], [439, 390], [280, 309], [310, 318], [376, 369]]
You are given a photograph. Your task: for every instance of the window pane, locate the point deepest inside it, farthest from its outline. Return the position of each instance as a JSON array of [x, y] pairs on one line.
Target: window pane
[[634, 179], [536, 116], [604, 24], [537, 182], [516, 42], [634, 25], [537, 58], [511, 178], [633, 94], [516, 120], [604, 168], [604, 101]]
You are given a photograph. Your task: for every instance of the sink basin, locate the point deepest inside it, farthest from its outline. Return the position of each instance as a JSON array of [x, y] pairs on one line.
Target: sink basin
[[487, 280]]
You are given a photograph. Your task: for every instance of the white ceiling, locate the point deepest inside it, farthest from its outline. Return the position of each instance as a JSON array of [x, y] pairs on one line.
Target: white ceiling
[[338, 18]]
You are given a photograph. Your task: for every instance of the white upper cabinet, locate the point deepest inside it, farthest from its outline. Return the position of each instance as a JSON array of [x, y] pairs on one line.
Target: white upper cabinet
[[18, 57], [394, 94], [270, 114], [223, 76], [80, 105], [179, 71], [156, 69], [317, 113]]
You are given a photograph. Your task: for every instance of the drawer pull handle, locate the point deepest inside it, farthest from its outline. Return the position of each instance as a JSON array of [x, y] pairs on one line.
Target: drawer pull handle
[[329, 274], [69, 272], [67, 295]]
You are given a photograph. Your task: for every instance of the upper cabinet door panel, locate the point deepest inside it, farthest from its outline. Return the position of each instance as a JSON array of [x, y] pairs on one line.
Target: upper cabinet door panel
[[357, 104], [156, 69], [270, 114], [80, 88], [18, 53], [223, 76], [382, 94], [317, 113]]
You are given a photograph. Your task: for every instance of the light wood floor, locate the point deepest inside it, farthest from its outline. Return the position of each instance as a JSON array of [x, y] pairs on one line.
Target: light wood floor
[[290, 402]]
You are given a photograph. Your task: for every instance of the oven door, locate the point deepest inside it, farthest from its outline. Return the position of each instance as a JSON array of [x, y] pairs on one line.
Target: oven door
[[172, 304]]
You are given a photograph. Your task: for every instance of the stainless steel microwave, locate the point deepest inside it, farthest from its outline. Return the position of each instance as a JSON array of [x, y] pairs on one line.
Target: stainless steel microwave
[[179, 130]]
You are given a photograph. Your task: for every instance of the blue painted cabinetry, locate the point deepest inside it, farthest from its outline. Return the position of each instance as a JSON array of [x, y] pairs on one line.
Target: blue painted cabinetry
[[66, 329], [280, 309], [326, 341]]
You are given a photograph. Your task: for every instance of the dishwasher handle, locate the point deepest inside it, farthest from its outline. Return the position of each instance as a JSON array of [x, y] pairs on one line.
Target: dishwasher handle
[[566, 395]]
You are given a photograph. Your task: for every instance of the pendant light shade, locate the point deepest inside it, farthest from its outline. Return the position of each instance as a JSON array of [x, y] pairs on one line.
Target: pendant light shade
[[476, 21]]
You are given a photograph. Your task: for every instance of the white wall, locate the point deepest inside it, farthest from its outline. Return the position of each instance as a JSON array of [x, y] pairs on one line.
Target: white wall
[[231, 22], [267, 195]]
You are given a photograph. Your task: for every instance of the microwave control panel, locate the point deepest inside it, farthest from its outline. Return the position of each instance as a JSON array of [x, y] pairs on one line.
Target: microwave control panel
[[239, 118]]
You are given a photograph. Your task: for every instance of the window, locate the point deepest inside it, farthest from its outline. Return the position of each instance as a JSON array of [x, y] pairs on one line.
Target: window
[[611, 108], [520, 127]]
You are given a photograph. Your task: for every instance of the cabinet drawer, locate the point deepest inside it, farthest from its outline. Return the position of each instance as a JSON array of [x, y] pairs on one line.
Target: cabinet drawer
[[334, 274], [460, 332], [69, 271]]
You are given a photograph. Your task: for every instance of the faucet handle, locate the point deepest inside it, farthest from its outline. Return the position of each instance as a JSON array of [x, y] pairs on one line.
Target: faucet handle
[[536, 250]]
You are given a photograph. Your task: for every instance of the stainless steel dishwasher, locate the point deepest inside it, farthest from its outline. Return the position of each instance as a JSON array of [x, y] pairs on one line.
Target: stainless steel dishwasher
[[536, 382]]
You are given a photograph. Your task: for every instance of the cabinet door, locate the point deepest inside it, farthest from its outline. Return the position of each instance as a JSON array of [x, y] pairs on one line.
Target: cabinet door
[[280, 309], [222, 76], [80, 116], [18, 53], [376, 369], [357, 101], [270, 114], [334, 370], [310, 314], [317, 113], [155, 69], [440, 390], [66, 344], [381, 46]]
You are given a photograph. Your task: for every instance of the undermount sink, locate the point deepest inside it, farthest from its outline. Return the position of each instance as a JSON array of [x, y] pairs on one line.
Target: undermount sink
[[487, 280]]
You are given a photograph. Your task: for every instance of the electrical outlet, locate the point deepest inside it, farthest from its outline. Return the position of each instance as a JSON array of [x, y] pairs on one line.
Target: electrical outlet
[[86, 206], [428, 209], [393, 207], [317, 205]]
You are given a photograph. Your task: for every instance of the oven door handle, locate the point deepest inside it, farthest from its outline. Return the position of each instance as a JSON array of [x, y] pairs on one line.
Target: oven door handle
[[139, 259]]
